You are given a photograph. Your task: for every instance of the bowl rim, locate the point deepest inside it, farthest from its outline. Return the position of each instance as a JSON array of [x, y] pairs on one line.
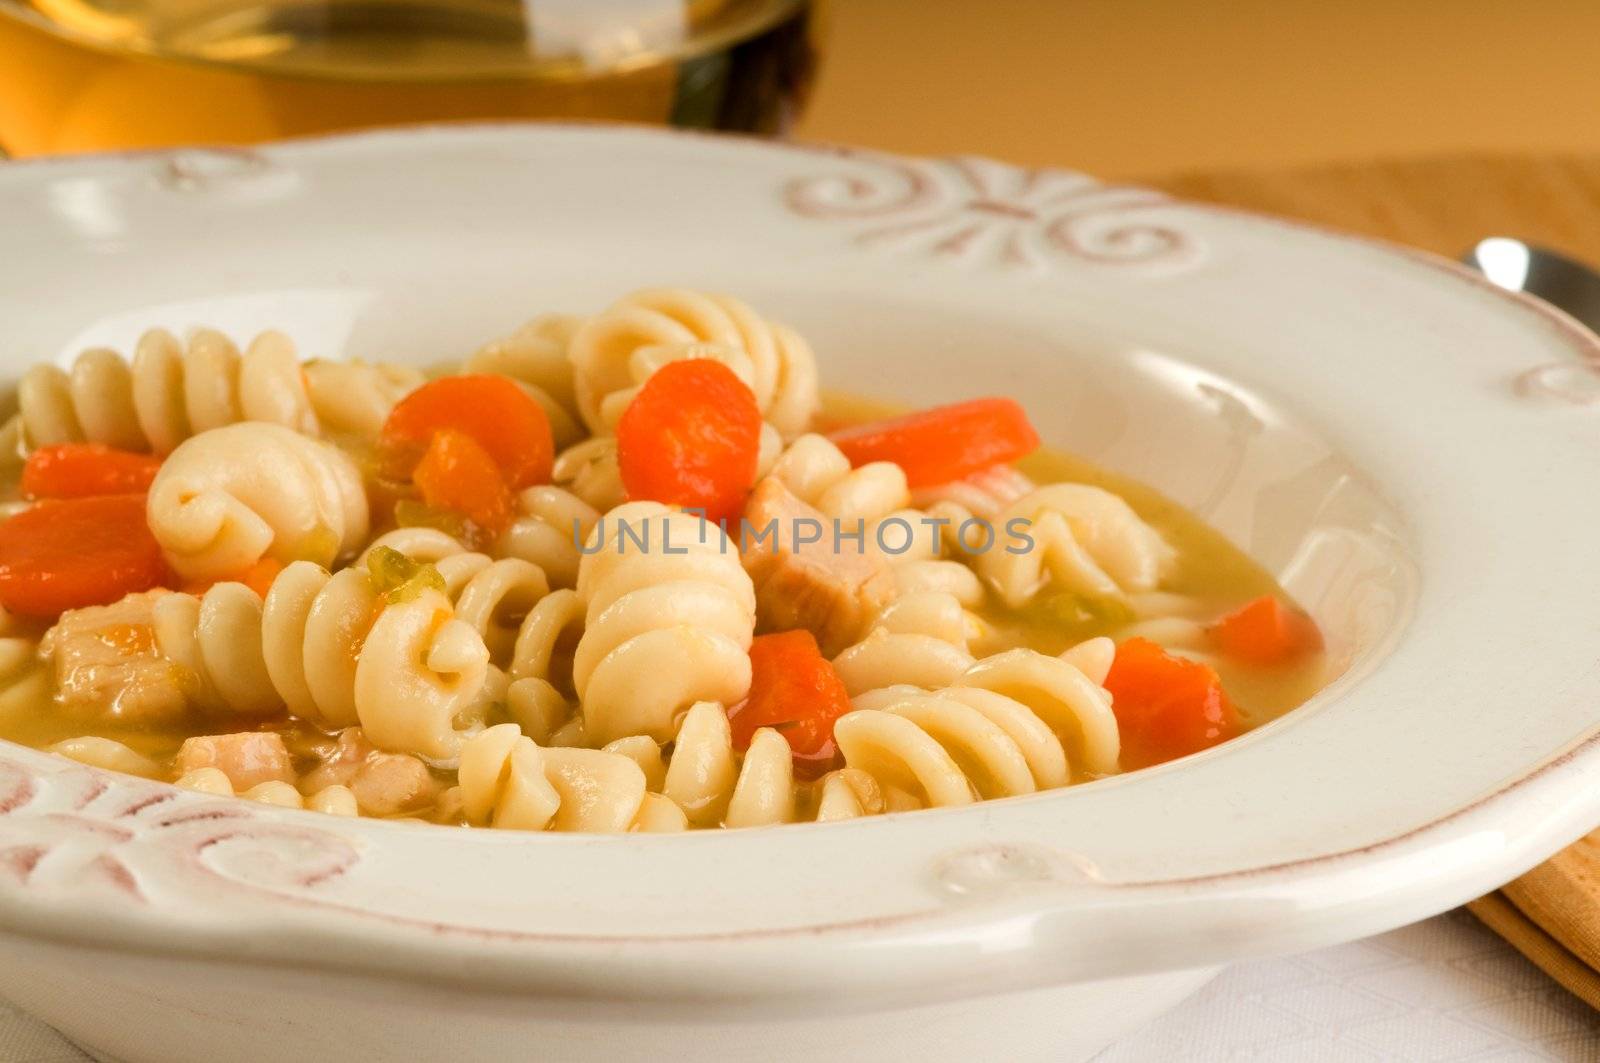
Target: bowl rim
[[1415, 882]]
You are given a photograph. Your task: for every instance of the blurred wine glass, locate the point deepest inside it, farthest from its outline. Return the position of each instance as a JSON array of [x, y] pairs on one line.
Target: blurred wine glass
[[84, 75]]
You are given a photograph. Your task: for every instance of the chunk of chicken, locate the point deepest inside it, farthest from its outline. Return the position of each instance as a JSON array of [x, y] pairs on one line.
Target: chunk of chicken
[[385, 784], [108, 667], [247, 758], [804, 576]]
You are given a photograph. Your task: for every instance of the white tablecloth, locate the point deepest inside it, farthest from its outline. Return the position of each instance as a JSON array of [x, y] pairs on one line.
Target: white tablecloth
[[1444, 989]]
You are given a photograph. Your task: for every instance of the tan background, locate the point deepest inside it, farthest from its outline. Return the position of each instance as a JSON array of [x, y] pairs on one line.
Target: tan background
[[1139, 87]]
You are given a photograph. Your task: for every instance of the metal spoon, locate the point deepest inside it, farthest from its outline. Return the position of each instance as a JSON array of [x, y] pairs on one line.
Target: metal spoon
[[1558, 280]]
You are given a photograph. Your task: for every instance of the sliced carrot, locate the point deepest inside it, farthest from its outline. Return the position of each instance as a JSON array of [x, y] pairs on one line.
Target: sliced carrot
[[1265, 631], [61, 555], [794, 689], [494, 410], [945, 443], [78, 470], [1166, 706], [258, 577], [691, 437], [459, 474]]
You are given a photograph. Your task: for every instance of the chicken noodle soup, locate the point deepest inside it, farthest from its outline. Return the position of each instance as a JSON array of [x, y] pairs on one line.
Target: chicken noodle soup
[[504, 596]]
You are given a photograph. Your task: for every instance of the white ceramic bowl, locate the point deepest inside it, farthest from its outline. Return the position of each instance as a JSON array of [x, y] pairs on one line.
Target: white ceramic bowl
[[1406, 447]]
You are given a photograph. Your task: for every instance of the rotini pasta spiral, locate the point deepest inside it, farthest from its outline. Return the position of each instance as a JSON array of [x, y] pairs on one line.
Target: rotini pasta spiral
[[590, 472], [538, 694], [493, 597], [509, 781], [1085, 540], [173, 390], [168, 393], [530, 631], [536, 356], [1177, 623], [551, 523], [920, 639], [355, 397], [820, 475], [420, 669], [1092, 657], [704, 779], [1012, 724], [710, 785], [783, 369], [508, 602], [231, 496], [670, 614], [419, 543], [331, 651]]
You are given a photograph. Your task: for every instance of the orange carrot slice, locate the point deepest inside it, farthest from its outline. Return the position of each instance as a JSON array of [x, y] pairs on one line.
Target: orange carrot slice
[[945, 443], [457, 473], [691, 437], [1265, 632], [67, 554], [501, 418], [1166, 706], [794, 689], [79, 470]]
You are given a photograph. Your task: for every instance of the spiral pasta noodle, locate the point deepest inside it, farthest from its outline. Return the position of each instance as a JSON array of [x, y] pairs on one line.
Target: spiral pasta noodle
[[590, 472], [820, 475], [333, 652], [169, 392], [1085, 540], [233, 495], [920, 639], [670, 614], [551, 522], [509, 781], [703, 778], [1177, 623], [537, 356], [616, 350], [1014, 723], [529, 630], [354, 398], [710, 785]]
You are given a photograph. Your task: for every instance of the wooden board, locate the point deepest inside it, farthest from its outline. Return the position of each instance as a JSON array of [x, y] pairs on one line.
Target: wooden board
[[1444, 204]]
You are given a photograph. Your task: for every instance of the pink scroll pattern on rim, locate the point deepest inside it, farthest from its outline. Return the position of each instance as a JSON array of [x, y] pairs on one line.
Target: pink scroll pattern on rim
[[1018, 217], [76, 830]]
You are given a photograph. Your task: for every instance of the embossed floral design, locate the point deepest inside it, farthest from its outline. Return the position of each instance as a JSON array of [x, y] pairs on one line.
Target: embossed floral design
[[1020, 217], [77, 830]]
